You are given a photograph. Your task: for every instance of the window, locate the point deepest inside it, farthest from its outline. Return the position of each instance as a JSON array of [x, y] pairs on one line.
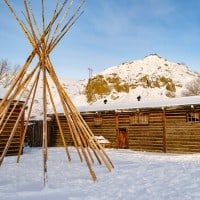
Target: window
[[98, 121], [193, 117], [139, 118]]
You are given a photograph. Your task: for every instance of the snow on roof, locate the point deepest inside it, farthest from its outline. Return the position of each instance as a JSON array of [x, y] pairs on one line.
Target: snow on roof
[[101, 139], [147, 103]]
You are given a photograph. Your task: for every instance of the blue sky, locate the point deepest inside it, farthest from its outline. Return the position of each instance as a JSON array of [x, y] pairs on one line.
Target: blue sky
[[111, 32]]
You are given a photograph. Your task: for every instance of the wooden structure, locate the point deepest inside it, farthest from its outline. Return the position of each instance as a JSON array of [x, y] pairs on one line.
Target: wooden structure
[[171, 125], [34, 133], [7, 127], [43, 37]]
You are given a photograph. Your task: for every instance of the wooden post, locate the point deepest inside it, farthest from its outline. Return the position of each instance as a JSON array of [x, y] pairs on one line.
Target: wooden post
[[117, 128], [164, 131], [45, 139], [22, 127]]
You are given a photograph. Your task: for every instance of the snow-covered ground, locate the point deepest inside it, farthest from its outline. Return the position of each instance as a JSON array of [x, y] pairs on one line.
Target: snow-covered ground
[[137, 175]]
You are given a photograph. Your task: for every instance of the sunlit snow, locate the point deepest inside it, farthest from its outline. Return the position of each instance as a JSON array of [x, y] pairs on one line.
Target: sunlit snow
[[137, 175]]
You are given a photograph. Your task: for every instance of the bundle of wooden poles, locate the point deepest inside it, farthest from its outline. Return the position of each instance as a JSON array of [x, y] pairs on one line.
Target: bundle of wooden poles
[[43, 41]]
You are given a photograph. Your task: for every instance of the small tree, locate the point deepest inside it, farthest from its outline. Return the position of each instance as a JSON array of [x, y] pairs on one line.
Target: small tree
[[192, 88], [7, 73]]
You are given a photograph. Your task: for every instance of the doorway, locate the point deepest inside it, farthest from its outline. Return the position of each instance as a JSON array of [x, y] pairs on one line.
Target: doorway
[[122, 139]]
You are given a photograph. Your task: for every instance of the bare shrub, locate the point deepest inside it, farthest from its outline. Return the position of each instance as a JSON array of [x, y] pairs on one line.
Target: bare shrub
[[192, 88], [7, 73]]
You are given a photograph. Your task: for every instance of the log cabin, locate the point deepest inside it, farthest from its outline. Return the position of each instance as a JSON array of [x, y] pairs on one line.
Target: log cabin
[[166, 125], [7, 129]]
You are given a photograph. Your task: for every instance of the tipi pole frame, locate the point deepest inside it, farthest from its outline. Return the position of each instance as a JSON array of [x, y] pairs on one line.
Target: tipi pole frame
[[43, 42]]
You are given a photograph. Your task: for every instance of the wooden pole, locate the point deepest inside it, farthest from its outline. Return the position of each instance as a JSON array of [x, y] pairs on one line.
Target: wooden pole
[[72, 108], [45, 138], [117, 129], [164, 131], [74, 131], [66, 111], [29, 114], [58, 122], [11, 100], [90, 135], [14, 128], [16, 81], [68, 25], [5, 118]]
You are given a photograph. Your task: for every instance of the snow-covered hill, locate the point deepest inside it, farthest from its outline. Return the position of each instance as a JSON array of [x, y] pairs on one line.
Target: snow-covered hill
[[151, 78]]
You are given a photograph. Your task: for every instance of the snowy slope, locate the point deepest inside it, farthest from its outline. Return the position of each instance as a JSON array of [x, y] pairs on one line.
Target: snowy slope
[[152, 65]]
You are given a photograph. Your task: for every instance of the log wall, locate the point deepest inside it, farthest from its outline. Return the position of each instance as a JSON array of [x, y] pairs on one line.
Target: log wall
[[108, 127], [147, 137], [4, 136], [166, 131], [181, 136], [55, 138], [34, 133]]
